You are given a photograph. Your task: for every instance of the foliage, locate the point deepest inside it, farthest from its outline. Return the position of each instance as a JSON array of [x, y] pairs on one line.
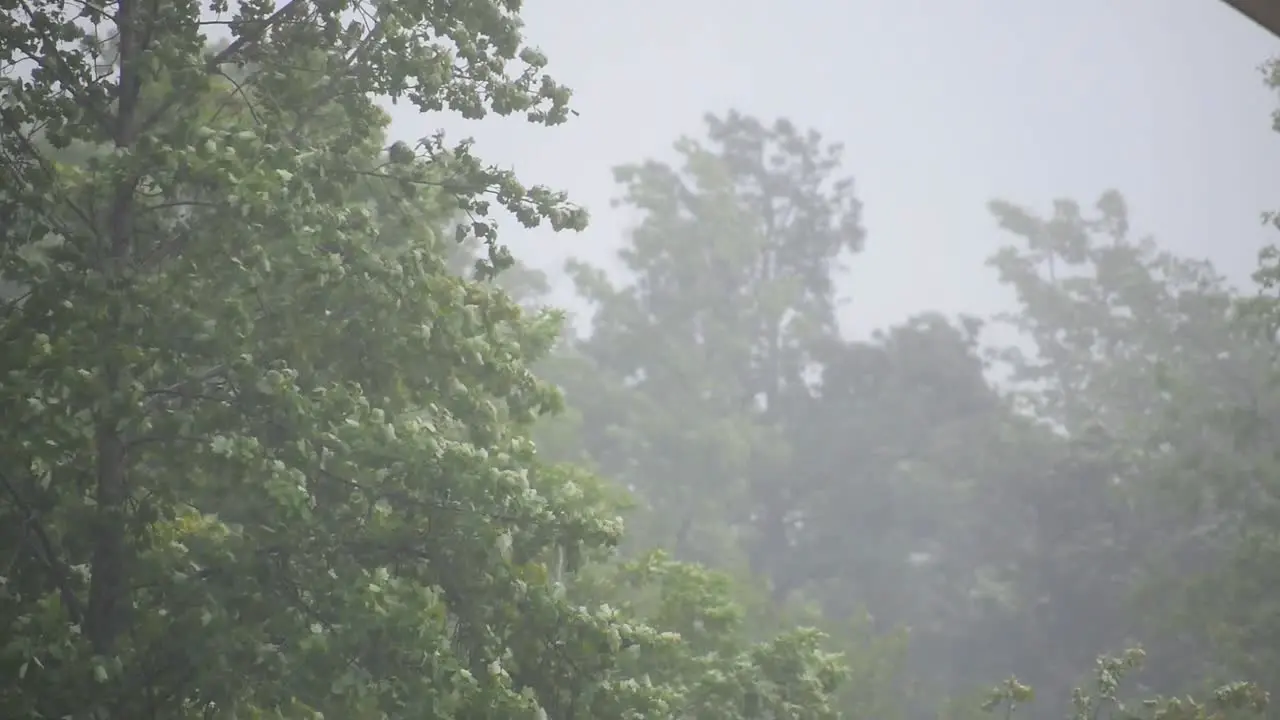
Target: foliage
[[266, 453], [1226, 475], [1020, 507], [284, 433], [721, 671], [1235, 700]]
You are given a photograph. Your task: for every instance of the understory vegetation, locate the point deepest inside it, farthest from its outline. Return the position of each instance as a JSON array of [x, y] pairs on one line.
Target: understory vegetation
[[286, 431]]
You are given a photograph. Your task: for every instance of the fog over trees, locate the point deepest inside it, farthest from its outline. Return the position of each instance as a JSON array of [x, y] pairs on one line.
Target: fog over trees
[[286, 431]]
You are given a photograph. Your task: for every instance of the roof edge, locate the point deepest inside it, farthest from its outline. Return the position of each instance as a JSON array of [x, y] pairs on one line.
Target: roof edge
[[1263, 12]]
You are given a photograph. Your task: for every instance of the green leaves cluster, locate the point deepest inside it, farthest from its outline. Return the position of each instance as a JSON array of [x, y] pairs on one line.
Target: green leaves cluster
[[715, 667], [1104, 698]]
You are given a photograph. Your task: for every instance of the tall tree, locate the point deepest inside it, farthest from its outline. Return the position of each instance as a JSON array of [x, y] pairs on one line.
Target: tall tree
[[733, 262], [1227, 478], [1129, 354], [255, 463]]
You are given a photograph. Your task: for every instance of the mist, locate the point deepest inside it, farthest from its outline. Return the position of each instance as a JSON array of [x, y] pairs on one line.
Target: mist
[[705, 361]]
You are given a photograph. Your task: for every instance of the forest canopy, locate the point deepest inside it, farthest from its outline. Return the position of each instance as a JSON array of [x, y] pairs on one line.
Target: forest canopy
[[289, 433]]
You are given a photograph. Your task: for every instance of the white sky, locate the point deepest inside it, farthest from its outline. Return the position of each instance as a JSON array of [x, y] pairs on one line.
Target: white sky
[[941, 106]]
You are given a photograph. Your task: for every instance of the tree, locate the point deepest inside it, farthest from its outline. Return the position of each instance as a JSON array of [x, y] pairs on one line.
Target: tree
[[1226, 478], [1108, 316], [263, 453], [733, 262], [1130, 356]]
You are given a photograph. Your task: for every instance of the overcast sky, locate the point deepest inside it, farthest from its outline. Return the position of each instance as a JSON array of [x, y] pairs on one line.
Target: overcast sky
[[941, 106]]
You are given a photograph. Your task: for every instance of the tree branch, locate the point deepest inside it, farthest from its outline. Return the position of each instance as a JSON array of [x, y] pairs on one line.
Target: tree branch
[[212, 66], [58, 569]]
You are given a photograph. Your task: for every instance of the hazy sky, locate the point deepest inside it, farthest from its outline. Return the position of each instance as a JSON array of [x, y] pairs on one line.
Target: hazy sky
[[941, 106]]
